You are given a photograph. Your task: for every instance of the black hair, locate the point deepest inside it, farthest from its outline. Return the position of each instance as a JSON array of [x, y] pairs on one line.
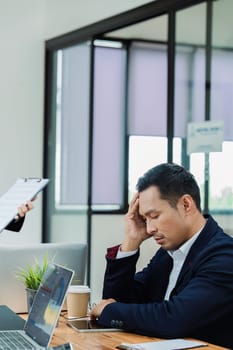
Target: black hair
[[172, 181]]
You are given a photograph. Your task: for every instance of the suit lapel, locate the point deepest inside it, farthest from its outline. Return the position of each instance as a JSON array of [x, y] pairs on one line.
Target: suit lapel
[[167, 263], [201, 242]]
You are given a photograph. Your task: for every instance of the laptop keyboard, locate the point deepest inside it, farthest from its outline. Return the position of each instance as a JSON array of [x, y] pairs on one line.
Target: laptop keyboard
[[14, 340]]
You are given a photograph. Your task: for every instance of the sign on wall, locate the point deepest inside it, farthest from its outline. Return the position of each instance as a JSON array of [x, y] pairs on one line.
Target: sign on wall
[[205, 137]]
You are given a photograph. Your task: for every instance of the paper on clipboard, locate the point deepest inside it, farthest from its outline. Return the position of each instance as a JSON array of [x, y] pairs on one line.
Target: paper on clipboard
[[23, 190]]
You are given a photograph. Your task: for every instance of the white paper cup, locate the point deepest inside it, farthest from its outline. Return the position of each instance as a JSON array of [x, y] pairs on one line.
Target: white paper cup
[[77, 301]]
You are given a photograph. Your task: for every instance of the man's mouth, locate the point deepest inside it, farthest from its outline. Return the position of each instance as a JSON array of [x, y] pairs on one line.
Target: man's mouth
[[159, 240]]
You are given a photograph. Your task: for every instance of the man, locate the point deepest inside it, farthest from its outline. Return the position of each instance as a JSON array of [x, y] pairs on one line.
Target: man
[[17, 223], [187, 288]]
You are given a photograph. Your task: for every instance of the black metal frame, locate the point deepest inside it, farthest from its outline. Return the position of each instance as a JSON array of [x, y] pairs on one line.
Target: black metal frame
[[141, 13], [207, 96]]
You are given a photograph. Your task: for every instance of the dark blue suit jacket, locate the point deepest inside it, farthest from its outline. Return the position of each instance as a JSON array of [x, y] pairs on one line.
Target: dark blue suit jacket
[[200, 305]]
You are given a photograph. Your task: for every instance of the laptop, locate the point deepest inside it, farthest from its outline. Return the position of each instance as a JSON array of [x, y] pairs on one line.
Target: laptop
[[44, 313], [9, 319]]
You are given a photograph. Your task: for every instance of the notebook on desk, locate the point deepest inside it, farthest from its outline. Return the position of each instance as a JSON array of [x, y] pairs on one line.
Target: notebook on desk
[[42, 319]]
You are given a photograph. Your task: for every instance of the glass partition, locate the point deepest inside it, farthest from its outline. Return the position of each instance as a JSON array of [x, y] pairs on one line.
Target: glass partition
[[221, 169]]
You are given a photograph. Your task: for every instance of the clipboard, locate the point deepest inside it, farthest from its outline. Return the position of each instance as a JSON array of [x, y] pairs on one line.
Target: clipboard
[[23, 190]]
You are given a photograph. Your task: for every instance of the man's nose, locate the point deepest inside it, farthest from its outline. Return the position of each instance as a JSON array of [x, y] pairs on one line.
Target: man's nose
[[150, 228]]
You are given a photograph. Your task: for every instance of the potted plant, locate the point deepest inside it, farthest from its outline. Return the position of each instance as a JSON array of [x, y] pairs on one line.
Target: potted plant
[[31, 277]]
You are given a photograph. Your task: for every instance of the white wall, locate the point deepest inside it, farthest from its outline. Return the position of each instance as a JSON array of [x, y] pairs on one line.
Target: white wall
[[21, 95], [66, 15]]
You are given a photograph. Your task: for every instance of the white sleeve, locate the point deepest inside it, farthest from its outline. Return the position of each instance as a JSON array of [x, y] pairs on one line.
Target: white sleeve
[[121, 254]]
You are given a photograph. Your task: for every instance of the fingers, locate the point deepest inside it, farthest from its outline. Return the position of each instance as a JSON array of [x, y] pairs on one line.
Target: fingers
[[23, 209], [97, 309], [133, 206], [134, 200], [135, 228], [29, 205]]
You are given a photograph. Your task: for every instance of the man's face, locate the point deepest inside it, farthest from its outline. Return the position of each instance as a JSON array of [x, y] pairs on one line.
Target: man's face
[[168, 225]]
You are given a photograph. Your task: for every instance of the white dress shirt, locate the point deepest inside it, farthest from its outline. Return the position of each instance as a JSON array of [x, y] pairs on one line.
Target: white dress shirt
[[178, 257]]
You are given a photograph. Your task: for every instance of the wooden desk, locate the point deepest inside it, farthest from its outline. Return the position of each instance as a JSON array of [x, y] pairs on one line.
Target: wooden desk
[[99, 340]]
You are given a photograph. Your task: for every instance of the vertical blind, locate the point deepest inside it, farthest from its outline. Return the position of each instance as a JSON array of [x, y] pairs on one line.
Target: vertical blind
[[73, 133], [147, 90], [109, 126]]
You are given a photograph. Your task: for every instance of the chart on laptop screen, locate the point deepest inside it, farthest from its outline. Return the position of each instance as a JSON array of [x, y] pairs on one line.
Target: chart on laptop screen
[[48, 303]]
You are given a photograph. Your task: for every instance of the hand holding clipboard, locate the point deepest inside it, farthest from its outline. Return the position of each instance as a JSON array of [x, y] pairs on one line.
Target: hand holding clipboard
[[24, 190]]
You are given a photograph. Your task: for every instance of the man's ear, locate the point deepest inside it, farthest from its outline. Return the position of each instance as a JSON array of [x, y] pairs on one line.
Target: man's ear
[[187, 202]]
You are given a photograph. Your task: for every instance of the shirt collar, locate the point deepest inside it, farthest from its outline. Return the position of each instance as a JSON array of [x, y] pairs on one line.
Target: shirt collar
[[185, 247]]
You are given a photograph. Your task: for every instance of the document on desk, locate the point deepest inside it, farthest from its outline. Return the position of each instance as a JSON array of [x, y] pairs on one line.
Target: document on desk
[[171, 344], [23, 190]]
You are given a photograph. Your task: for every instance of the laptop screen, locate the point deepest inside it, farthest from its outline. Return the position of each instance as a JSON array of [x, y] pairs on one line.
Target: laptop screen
[[48, 303]]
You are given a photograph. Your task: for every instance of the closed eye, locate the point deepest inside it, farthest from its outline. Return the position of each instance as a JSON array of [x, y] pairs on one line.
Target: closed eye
[[154, 216]]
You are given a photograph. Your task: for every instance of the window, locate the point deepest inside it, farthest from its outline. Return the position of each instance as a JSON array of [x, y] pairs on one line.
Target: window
[[144, 153], [73, 130], [221, 184]]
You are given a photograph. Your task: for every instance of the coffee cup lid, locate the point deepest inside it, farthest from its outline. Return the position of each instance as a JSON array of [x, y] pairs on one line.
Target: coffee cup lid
[[79, 289]]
